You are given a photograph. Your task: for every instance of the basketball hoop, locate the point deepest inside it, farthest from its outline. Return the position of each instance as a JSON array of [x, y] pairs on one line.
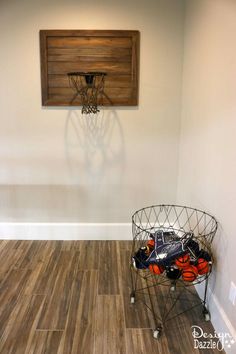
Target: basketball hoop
[[90, 87]]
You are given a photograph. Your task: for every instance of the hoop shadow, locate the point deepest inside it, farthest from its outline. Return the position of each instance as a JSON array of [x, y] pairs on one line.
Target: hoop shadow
[[94, 146]]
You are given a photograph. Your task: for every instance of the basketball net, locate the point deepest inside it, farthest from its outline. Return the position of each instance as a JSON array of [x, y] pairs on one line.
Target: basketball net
[[90, 87]]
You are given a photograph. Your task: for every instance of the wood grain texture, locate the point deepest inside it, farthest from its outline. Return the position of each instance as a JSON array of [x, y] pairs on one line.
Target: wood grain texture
[[110, 325], [112, 81], [22, 322], [80, 331], [109, 269], [89, 254], [45, 281], [44, 342], [88, 42], [118, 68], [66, 101], [7, 253], [89, 52], [140, 341], [114, 52], [56, 305], [31, 256], [72, 297], [11, 290]]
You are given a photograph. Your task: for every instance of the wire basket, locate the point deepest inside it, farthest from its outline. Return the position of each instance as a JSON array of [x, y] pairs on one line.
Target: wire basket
[[171, 248]]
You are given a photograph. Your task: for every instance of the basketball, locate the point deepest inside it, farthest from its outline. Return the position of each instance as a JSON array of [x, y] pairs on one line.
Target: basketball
[[202, 266], [150, 246], [189, 273], [155, 269], [183, 261]]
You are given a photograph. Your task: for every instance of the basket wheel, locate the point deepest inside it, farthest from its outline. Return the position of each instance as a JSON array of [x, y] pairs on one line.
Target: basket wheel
[[206, 314], [156, 333], [132, 298]]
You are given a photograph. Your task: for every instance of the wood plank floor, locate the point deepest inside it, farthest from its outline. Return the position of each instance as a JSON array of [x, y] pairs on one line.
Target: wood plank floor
[[72, 297]]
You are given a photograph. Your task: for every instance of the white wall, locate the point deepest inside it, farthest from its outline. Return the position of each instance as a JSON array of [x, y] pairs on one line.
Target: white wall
[[207, 171], [54, 165]]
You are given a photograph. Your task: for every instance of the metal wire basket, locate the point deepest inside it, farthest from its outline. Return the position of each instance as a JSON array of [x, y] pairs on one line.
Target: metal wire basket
[[164, 235]]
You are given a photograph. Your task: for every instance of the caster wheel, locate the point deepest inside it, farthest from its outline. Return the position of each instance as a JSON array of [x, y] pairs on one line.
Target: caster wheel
[[207, 316], [132, 299], [157, 333], [133, 263]]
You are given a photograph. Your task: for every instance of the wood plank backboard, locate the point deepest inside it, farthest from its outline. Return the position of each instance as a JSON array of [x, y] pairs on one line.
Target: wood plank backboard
[[111, 51]]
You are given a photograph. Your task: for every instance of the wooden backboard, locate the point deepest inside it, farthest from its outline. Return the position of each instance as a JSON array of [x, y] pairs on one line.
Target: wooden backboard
[[111, 51]]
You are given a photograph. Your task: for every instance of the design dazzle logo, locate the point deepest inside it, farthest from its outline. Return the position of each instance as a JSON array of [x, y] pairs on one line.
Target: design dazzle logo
[[203, 340]]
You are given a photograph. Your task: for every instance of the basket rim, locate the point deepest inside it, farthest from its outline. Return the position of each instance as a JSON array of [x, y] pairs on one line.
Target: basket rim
[[178, 206]]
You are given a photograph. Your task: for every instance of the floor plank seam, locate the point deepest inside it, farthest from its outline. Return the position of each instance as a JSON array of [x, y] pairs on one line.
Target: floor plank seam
[[49, 330]]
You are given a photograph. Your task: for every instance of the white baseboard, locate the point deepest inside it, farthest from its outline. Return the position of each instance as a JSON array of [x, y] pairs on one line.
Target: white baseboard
[[65, 231], [219, 318]]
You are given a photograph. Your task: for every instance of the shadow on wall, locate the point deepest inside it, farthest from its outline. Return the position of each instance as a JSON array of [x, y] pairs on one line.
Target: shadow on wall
[[219, 249], [94, 147]]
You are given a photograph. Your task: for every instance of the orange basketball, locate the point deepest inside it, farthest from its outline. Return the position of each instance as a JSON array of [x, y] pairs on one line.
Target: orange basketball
[[150, 246], [202, 266], [151, 243], [183, 261], [156, 269], [189, 273]]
